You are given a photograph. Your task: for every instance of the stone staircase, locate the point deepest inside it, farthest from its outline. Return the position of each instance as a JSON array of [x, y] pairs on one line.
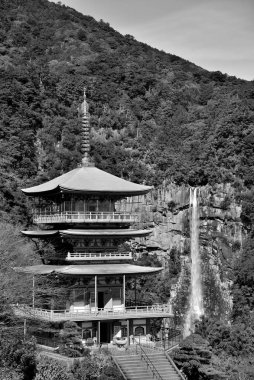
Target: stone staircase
[[148, 365], [133, 368], [166, 369]]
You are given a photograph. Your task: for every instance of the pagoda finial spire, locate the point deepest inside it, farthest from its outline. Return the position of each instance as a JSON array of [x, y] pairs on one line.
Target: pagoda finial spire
[[85, 134]]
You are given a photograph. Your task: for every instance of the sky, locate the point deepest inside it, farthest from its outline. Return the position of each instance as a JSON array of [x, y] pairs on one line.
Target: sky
[[217, 35]]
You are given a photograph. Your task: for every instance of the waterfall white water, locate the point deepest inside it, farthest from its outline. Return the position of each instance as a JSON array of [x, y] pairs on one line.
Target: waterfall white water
[[195, 310]]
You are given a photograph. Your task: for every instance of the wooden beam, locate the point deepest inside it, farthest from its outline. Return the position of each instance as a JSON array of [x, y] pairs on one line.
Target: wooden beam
[[124, 290]]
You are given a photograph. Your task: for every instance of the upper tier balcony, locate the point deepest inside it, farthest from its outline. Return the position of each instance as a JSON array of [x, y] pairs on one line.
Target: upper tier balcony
[[84, 217]]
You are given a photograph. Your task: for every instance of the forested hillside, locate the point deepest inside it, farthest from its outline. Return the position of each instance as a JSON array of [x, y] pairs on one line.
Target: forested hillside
[[154, 116]]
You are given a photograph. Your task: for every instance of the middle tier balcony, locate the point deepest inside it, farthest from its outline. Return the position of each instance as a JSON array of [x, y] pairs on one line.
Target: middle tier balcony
[[98, 256], [84, 217], [95, 314]]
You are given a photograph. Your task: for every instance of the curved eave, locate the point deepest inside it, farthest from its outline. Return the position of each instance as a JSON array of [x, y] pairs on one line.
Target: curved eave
[[87, 233], [88, 180], [40, 233], [60, 189], [31, 193], [118, 233], [89, 270], [106, 192]]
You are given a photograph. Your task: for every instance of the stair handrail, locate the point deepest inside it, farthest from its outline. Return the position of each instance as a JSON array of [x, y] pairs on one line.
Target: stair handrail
[[148, 362], [119, 368], [183, 377]]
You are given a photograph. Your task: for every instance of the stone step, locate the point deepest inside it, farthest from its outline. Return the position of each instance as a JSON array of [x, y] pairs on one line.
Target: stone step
[[136, 368]]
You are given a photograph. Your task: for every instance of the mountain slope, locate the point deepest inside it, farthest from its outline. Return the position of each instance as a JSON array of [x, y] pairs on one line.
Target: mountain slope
[[154, 116]]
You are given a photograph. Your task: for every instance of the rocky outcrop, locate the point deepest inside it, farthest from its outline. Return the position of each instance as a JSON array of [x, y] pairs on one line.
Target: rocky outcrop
[[221, 234]]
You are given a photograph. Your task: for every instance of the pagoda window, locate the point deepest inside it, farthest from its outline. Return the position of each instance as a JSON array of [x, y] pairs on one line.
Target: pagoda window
[[115, 242], [87, 333], [79, 205], [105, 206], [116, 296], [123, 331], [139, 330], [87, 298], [92, 299], [79, 299], [67, 206], [91, 206]]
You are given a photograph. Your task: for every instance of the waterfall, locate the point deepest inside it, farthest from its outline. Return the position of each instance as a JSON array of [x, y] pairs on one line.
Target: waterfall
[[195, 310]]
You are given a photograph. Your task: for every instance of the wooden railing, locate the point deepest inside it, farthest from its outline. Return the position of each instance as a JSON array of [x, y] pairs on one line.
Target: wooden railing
[[95, 313], [82, 256], [84, 217]]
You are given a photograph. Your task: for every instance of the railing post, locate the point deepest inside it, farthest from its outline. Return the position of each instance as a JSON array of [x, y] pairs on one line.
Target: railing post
[[33, 292]]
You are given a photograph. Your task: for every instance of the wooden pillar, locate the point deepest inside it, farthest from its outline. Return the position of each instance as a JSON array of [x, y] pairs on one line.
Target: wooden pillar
[[128, 332], [124, 290], [135, 290], [33, 292], [99, 333], [95, 294]]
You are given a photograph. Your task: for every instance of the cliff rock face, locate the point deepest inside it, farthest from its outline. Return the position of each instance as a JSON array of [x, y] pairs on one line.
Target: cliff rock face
[[220, 238]]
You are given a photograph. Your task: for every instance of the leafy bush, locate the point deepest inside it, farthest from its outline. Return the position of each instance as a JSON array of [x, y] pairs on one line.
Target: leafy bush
[[48, 368], [97, 366]]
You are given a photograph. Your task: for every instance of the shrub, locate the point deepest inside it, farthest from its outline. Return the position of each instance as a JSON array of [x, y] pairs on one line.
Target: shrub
[[48, 368]]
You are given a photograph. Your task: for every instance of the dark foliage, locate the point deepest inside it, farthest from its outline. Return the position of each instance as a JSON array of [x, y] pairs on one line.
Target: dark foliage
[[17, 351]]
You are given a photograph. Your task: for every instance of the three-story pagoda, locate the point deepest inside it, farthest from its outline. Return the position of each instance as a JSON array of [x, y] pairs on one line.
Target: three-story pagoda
[[92, 213]]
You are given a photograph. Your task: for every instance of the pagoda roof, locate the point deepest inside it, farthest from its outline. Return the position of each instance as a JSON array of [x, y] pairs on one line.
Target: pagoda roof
[[88, 270], [88, 232], [88, 179]]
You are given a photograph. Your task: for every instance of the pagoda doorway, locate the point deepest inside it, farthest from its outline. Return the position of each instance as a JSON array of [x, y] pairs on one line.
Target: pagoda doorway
[[100, 300], [105, 332]]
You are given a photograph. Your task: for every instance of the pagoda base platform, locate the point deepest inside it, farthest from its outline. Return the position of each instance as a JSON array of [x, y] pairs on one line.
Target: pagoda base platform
[[132, 312]]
